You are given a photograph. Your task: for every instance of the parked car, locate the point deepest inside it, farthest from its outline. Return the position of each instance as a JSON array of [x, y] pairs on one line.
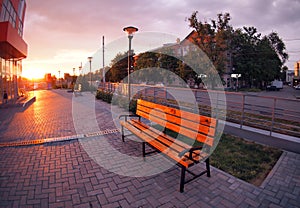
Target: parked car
[[159, 85], [272, 88], [297, 87], [275, 86]]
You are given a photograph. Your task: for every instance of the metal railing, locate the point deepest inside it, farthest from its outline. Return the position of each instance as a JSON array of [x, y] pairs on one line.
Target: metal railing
[[273, 114]]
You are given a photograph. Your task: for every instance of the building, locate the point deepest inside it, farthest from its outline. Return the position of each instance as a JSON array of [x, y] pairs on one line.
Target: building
[[290, 76], [12, 46], [187, 44], [296, 80]]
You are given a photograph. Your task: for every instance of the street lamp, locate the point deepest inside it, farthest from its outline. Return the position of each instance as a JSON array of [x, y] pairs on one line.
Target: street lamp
[[130, 31], [80, 68], [79, 76], [59, 81], [90, 60], [237, 79]]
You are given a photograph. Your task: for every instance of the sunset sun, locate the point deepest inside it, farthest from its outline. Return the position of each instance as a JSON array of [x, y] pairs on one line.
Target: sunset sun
[[32, 74]]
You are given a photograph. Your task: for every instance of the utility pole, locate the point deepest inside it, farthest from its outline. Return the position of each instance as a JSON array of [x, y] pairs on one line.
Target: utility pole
[[103, 70], [90, 60]]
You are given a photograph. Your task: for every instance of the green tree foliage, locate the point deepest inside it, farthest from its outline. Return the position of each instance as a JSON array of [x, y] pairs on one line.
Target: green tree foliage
[[119, 67], [213, 38], [259, 59], [146, 67], [152, 66], [83, 82], [146, 60]]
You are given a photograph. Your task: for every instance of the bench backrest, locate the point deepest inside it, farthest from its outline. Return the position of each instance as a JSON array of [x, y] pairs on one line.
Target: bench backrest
[[191, 125]]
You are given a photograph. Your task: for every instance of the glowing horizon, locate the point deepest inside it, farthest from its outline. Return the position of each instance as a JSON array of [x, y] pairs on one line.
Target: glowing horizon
[[60, 38]]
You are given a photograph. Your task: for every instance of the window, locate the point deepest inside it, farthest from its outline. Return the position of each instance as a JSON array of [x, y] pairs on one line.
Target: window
[[21, 9], [2, 15], [8, 13], [20, 29]]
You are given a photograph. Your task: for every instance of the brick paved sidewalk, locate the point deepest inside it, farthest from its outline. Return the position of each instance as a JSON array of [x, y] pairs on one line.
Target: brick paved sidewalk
[[50, 116], [67, 174]]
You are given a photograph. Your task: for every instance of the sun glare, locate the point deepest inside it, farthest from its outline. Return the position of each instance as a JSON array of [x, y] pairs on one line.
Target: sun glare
[[32, 74]]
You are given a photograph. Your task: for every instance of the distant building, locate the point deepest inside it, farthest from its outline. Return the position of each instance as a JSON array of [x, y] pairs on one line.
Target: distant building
[[296, 80], [12, 46], [49, 80], [181, 48], [290, 76], [69, 80]]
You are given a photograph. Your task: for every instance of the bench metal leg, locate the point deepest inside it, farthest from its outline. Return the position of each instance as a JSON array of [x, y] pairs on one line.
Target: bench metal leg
[[123, 137], [144, 149], [182, 179], [207, 167]]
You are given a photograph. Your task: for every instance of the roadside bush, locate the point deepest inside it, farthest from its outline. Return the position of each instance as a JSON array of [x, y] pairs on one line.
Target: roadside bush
[[119, 100], [250, 90], [133, 105], [104, 95]]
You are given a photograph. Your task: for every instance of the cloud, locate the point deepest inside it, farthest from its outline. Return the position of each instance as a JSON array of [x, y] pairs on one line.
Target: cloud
[[57, 25]]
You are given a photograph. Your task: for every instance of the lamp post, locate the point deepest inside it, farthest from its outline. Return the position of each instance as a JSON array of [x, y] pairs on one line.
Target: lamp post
[[103, 70], [130, 31], [80, 78], [90, 60], [237, 80], [80, 68], [59, 81]]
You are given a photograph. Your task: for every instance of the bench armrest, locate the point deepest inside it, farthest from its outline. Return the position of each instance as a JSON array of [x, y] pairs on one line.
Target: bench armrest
[[191, 150], [129, 115]]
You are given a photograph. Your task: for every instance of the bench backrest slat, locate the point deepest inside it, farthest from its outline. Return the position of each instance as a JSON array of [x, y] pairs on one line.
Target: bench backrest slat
[[201, 128]]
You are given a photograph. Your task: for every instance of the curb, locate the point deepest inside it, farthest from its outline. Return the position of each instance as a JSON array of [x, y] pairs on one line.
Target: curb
[[58, 139], [29, 101], [273, 171]]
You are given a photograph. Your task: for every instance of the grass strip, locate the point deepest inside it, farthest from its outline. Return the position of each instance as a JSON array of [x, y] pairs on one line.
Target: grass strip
[[243, 159]]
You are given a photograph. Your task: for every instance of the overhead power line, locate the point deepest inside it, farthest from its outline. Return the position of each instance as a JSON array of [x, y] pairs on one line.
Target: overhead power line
[[292, 39]]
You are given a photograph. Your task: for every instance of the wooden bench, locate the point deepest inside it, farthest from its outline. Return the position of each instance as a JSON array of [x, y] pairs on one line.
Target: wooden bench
[[192, 126]]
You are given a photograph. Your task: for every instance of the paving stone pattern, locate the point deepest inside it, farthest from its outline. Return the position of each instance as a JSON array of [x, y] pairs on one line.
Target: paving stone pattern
[[65, 174], [50, 116]]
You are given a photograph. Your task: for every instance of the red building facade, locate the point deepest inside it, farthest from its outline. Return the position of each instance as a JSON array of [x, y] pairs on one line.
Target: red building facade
[[12, 46]]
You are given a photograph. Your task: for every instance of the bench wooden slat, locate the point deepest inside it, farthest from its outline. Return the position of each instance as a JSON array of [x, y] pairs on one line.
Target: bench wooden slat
[[204, 120], [192, 125], [159, 136], [165, 140], [184, 131], [159, 146], [182, 144]]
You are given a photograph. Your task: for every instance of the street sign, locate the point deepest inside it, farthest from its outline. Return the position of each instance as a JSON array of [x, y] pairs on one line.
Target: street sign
[[236, 75]]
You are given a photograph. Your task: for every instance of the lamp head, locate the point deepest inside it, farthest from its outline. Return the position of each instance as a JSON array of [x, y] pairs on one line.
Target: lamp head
[[130, 30]]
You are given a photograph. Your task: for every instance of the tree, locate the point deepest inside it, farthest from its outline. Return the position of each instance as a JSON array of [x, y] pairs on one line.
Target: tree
[[158, 65], [213, 38], [278, 46], [119, 67], [258, 59], [145, 60], [244, 46]]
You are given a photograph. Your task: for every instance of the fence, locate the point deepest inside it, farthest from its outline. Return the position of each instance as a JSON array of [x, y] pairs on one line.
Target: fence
[[274, 114]]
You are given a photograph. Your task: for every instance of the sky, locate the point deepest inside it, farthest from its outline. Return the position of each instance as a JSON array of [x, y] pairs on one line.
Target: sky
[[61, 34]]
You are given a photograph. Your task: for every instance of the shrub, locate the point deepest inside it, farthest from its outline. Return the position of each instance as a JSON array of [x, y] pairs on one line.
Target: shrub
[[104, 95], [119, 100]]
